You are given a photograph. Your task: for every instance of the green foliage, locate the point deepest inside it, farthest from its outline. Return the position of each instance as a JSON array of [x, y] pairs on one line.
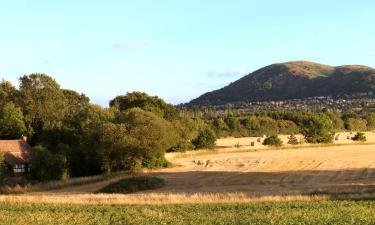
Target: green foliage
[[273, 140], [371, 121], [133, 184], [139, 139], [12, 125], [8, 93], [292, 140], [359, 137], [317, 128], [42, 102], [47, 166], [205, 139], [148, 103], [287, 127], [354, 124], [337, 122]]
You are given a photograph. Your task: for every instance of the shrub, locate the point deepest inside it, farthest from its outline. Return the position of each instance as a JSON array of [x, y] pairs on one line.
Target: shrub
[[293, 140], [134, 184], [273, 140], [354, 124], [205, 139], [359, 137]]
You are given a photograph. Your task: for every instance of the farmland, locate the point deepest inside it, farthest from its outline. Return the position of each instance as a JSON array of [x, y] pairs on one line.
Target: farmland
[[304, 185], [326, 212]]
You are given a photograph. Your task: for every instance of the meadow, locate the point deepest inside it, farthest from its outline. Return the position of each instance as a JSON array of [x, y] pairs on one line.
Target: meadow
[[321, 212]]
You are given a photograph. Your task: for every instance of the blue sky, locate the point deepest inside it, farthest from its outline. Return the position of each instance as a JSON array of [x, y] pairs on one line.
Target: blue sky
[[173, 48]]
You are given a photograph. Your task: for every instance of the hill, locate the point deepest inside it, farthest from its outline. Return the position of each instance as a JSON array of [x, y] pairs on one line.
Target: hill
[[294, 80]]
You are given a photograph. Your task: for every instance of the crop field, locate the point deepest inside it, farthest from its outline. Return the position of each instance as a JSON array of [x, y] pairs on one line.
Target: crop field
[[341, 138], [325, 212], [308, 185]]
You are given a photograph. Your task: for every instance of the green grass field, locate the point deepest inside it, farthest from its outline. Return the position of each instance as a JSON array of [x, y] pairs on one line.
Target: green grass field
[[324, 212]]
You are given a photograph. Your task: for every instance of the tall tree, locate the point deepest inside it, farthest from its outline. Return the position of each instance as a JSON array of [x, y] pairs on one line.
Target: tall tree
[[8, 93], [12, 125], [42, 101]]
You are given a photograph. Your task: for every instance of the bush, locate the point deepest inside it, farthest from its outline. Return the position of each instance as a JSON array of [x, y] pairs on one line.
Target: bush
[[359, 137], [273, 140], [133, 184], [205, 139], [293, 140], [354, 124]]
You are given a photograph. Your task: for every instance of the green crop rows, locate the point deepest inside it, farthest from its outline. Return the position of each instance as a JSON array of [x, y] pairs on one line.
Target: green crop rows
[[325, 212]]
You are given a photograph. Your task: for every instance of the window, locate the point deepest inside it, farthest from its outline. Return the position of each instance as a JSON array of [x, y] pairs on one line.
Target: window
[[19, 168]]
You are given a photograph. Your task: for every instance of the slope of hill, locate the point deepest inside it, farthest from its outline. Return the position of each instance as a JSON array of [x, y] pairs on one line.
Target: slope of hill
[[294, 80]]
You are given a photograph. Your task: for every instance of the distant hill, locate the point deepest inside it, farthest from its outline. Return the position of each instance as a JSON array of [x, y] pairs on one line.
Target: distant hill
[[294, 80]]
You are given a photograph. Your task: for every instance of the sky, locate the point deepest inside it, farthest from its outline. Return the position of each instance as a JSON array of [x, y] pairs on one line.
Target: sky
[[176, 49]]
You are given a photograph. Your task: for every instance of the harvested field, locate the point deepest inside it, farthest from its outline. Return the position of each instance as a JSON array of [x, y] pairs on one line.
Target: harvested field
[[331, 172]]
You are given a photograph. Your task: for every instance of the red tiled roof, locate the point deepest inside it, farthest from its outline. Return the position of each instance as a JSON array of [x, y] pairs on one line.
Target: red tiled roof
[[16, 151]]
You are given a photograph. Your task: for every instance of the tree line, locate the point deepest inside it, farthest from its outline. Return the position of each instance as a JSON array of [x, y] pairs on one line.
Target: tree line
[[72, 137]]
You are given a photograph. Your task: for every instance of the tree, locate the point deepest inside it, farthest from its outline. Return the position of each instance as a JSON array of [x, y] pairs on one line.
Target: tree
[[287, 127], [12, 125], [8, 93], [82, 134], [354, 124], [42, 102], [273, 140], [148, 103], [337, 122], [317, 128], [138, 139], [371, 122], [205, 139], [47, 166], [292, 140]]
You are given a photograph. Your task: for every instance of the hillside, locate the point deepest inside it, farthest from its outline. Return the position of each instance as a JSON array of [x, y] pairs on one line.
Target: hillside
[[294, 80]]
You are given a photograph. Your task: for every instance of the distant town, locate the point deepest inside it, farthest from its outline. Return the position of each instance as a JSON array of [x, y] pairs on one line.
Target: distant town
[[356, 102]]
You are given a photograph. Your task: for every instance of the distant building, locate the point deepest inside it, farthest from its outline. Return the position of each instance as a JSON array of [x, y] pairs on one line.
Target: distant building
[[17, 154]]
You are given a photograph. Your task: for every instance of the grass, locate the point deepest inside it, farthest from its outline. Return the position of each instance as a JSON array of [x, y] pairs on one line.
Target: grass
[[322, 212], [156, 198], [53, 185], [133, 184]]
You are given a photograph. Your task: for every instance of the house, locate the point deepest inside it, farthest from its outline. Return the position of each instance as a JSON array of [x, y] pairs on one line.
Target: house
[[17, 154]]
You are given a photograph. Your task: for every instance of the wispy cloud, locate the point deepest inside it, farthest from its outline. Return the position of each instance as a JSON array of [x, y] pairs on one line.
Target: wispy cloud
[[127, 46], [46, 62], [228, 74]]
